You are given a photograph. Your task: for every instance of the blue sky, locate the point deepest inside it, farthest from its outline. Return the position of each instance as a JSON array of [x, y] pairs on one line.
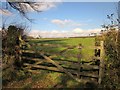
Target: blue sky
[[70, 16], [90, 14]]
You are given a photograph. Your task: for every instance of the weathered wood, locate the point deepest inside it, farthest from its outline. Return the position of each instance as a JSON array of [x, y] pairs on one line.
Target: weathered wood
[[79, 59], [67, 64], [75, 65], [32, 59], [84, 67], [28, 51], [43, 67], [52, 57], [97, 58], [101, 69], [97, 47], [39, 62], [63, 69], [60, 67], [89, 67], [81, 80], [74, 72]]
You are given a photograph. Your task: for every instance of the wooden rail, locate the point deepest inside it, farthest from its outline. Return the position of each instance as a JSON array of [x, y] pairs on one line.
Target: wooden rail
[[71, 68], [70, 71], [66, 63], [74, 72]]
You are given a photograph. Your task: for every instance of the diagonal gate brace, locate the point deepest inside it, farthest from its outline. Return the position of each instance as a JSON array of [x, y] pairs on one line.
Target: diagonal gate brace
[[60, 67]]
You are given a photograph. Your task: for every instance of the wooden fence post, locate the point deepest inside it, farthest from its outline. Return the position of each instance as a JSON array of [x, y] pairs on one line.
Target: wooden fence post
[[101, 67], [21, 43], [79, 56]]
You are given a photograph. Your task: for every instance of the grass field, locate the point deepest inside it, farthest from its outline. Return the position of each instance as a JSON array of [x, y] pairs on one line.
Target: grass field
[[55, 46]]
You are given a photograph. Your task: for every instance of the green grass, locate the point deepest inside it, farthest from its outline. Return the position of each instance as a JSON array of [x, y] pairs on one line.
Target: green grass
[[60, 44]]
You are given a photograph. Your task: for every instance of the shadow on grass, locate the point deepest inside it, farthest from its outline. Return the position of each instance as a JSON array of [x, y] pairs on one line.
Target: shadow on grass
[[87, 86], [49, 41], [67, 82], [63, 83]]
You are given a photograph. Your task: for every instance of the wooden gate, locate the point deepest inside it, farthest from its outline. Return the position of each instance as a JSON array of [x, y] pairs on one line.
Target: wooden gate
[[78, 70]]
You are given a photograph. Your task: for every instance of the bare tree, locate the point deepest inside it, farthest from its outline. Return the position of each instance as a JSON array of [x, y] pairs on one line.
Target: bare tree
[[25, 6]]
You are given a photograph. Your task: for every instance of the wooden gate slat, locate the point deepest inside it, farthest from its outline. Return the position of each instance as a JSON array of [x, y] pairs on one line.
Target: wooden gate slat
[[87, 74], [60, 67], [67, 64]]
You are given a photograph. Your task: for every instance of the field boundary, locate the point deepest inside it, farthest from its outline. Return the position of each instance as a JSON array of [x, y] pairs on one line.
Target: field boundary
[[76, 70]]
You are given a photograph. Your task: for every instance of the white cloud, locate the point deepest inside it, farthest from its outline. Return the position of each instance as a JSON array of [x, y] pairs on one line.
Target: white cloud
[[61, 22], [42, 5], [78, 30], [64, 23], [43, 33], [86, 32], [56, 33]]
